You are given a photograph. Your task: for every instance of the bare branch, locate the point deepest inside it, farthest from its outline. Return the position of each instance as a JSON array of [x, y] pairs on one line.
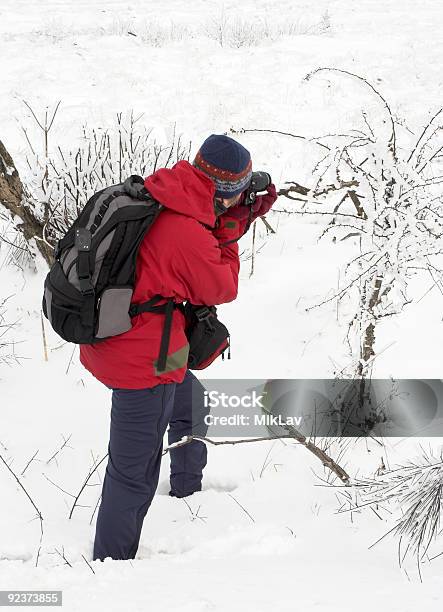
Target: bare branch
[[39, 514]]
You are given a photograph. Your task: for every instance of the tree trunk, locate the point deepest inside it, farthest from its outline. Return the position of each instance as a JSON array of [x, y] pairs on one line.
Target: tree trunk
[[12, 197]]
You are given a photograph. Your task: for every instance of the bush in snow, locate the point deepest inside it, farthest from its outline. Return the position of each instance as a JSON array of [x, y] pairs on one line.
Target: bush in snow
[[61, 181], [8, 355], [411, 495], [238, 32], [389, 199]]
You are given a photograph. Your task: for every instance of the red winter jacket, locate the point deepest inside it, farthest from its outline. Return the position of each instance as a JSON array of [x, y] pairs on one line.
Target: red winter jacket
[[180, 257]]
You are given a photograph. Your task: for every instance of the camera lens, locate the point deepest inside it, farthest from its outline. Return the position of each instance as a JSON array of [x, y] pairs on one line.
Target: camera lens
[[260, 181]]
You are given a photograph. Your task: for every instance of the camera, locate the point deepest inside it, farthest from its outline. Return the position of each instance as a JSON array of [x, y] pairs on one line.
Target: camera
[[259, 182]]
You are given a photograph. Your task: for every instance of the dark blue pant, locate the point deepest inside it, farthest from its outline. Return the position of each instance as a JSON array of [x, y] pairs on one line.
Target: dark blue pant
[[139, 418]]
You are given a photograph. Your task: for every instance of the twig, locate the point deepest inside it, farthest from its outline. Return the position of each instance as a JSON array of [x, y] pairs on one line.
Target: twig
[[57, 486], [296, 187], [29, 462], [341, 293], [268, 226], [392, 141], [194, 515], [70, 359], [242, 507], [88, 564], [85, 483], [39, 514], [253, 250], [188, 439], [243, 131], [265, 464], [16, 246], [62, 555], [332, 187], [65, 442], [95, 509], [45, 347], [423, 133]]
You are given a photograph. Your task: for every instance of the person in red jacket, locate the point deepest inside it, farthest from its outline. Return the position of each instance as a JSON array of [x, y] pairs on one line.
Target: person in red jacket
[[183, 257]]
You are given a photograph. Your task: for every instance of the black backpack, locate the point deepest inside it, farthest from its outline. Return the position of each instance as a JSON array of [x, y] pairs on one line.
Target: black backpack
[[88, 291]]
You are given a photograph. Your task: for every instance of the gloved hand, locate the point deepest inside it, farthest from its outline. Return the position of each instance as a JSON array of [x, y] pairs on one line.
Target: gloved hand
[[232, 223], [263, 203], [260, 207]]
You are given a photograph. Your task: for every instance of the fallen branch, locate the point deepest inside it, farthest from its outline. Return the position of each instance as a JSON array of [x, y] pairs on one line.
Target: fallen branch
[[327, 461], [292, 433]]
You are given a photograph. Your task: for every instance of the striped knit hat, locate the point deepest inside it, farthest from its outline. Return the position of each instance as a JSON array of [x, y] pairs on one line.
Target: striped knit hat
[[227, 163]]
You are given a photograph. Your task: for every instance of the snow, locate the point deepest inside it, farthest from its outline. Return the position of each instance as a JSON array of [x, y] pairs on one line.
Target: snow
[[208, 554]]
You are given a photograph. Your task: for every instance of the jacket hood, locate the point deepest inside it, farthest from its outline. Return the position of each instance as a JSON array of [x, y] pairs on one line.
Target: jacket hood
[[184, 189]]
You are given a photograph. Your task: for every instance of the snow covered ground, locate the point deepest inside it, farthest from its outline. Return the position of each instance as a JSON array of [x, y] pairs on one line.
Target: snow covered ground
[[209, 66]]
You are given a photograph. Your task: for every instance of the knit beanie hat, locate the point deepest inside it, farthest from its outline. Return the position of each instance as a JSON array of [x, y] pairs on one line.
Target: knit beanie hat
[[227, 163]]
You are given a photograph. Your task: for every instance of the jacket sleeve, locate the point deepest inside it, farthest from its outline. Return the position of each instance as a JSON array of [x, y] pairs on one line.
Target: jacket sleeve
[[206, 273]]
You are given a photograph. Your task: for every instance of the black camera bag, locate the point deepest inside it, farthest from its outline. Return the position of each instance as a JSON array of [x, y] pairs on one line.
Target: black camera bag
[[207, 336]]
